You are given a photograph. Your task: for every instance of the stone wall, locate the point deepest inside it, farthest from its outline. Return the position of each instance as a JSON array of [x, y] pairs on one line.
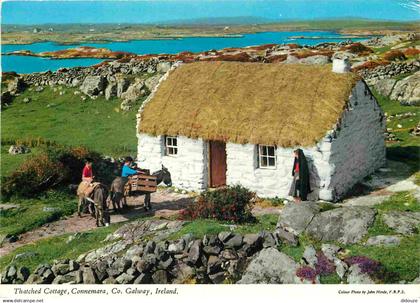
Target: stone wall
[[372, 76], [188, 168], [359, 148]]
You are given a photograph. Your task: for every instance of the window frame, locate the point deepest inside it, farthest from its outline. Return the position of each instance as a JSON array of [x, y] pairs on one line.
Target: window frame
[[169, 144], [267, 156]]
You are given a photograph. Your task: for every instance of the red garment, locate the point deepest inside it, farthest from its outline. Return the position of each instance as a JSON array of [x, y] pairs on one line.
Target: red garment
[[297, 167], [87, 172]]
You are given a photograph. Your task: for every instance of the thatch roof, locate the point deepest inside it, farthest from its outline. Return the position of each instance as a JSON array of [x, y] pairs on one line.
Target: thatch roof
[[281, 104]]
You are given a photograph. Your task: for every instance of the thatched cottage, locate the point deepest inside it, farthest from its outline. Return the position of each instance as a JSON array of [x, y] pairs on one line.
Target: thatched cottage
[[218, 123]]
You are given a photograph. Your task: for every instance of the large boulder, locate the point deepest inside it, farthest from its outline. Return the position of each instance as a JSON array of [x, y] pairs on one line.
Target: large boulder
[[152, 82], [295, 217], [317, 59], [384, 240], [163, 67], [93, 85], [385, 86], [407, 90], [16, 86], [122, 85], [6, 98], [345, 225], [19, 149], [271, 266], [134, 92], [356, 276], [403, 222], [111, 90]]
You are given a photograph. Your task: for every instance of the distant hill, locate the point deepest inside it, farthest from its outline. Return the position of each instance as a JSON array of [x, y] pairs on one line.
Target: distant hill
[[221, 21]]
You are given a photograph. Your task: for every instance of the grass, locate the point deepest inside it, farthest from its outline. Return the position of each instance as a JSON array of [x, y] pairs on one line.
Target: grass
[[32, 213], [402, 201], [9, 163], [200, 227], [408, 148], [403, 260], [49, 249], [97, 124]]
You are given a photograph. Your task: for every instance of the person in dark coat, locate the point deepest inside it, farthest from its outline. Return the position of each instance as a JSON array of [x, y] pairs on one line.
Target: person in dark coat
[[300, 172]]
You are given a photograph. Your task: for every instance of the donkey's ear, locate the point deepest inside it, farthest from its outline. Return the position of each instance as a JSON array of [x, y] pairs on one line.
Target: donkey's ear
[[163, 167]]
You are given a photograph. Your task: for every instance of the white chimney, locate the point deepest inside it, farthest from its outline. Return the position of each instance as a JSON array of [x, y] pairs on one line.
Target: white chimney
[[341, 65]]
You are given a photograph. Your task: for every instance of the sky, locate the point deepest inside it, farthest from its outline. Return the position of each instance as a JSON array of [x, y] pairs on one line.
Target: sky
[[160, 11]]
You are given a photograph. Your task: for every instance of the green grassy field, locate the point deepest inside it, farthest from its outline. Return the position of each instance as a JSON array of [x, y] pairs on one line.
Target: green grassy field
[[59, 247], [9, 163], [96, 124], [408, 148], [200, 227], [31, 213]]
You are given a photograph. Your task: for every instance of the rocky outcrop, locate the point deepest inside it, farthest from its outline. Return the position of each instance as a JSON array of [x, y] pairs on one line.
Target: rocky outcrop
[[133, 93], [93, 85], [385, 86], [19, 149], [403, 222], [295, 217], [356, 276], [384, 240], [111, 90], [271, 267], [343, 224], [16, 86], [407, 90]]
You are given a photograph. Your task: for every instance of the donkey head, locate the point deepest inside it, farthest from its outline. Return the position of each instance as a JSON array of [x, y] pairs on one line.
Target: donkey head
[[164, 176]]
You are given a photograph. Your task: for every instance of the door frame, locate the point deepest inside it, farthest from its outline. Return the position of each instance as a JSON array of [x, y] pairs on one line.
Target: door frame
[[209, 175]]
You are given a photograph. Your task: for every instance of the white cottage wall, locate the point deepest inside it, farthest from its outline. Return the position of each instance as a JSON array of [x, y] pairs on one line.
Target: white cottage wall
[[359, 147], [188, 168], [242, 168]]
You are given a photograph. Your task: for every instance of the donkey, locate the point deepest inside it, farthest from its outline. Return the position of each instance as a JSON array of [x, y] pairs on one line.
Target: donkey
[[116, 193], [97, 206]]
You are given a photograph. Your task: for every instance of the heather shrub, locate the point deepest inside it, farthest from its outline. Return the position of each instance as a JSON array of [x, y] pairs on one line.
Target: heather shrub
[[54, 166], [232, 203], [357, 48], [367, 265], [324, 266], [35, 175], [411, 51], [276, 58], [306, 273], [370, 65], [394, 55]]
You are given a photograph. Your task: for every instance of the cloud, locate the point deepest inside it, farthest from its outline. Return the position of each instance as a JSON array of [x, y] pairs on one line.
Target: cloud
[[411, 4]]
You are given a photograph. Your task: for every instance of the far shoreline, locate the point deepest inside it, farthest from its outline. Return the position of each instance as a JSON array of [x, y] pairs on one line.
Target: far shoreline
[[107, 33]]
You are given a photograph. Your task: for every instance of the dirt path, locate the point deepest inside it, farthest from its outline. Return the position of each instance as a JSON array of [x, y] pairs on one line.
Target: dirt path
[[164, 204], [395, 177]]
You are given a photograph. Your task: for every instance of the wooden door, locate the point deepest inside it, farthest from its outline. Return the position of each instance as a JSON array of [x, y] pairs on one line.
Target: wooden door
[[217, 163]]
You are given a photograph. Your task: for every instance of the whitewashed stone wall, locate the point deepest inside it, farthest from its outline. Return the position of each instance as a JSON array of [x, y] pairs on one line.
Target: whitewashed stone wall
[[188, 168], [359, 148], [242, 168]]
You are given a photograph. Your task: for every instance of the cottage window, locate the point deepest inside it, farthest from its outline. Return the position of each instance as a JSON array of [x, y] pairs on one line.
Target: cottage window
[[266, 156], [171, 146]]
